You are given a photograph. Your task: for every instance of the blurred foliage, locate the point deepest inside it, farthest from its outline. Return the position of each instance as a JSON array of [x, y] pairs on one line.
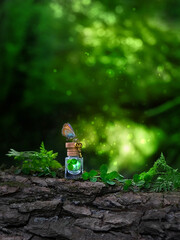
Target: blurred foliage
[[110, 68]]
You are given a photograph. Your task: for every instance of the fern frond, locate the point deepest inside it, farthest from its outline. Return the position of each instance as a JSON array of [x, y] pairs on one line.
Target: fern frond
[[16, 154]]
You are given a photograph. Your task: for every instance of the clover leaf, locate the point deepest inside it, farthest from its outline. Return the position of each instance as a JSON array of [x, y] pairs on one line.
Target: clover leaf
[[103, 169], [136, 178], [93, 179], [85, 176]]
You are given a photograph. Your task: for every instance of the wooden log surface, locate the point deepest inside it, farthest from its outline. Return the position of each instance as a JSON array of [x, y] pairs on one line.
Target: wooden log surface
[[51, 208]]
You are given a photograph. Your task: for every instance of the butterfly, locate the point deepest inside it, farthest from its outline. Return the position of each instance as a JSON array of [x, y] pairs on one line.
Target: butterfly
[[68, 132]]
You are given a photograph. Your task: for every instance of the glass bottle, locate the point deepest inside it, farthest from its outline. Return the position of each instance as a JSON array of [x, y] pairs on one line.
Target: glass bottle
[[73, 161]]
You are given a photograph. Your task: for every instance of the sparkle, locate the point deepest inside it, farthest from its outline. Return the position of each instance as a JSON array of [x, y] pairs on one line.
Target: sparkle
[[143, 141], [126, 148]]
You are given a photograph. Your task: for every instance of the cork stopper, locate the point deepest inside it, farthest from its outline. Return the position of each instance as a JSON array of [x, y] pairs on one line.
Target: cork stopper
[[73, 149]]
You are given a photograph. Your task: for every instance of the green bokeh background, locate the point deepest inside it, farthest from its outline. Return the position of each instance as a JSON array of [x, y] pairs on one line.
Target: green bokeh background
[[110, 68]]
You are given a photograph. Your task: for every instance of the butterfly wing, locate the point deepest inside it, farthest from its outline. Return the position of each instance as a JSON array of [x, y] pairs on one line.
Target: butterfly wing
[[67, 131]]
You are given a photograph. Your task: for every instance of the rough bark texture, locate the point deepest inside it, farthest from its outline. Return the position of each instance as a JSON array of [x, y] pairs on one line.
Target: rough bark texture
[[48, 208]]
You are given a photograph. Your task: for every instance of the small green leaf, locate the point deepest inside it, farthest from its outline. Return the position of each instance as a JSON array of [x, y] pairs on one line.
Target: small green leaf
[[85, 176], [119, 177], [110, 182], [93, 173], [136, 178], [93, 179], [42, 147], [147, 178], [142, 175], [104, 177], [122, 180], [112, 175], [147, 185], [140, 183], [54, 155], [103, 169], [127, 184]]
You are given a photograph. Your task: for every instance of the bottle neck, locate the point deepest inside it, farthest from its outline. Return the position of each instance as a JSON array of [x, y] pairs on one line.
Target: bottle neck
[[73, 149]]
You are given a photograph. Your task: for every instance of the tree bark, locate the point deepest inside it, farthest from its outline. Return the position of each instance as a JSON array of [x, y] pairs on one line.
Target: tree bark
[[51, 208]]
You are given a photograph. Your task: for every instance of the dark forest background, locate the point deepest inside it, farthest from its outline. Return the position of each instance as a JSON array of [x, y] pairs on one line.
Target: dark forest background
[[110, 68]]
